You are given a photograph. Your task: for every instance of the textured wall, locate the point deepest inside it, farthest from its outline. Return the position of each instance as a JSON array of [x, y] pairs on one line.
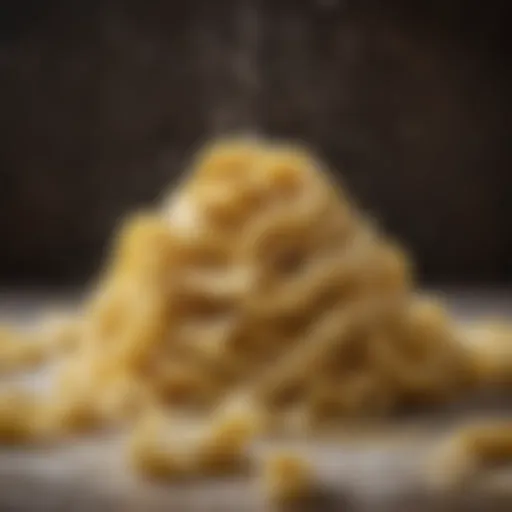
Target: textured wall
[[102, 102]]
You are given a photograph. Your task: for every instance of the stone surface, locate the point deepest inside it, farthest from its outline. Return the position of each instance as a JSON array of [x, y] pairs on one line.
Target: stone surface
[[364, 469]]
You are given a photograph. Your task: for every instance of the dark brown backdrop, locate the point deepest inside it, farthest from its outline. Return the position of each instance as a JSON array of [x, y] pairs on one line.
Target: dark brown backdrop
[[101, 103]]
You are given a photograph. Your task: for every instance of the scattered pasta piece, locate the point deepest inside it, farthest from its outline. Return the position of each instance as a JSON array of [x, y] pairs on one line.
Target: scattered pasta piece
[[288, 478], [223, 447], [471, 451], [490, 349], [71, 413], [149, 454], [18, 351], [19, 415]]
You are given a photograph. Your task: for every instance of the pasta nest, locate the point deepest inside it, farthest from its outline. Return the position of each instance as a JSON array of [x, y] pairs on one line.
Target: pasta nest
[[256, 275]]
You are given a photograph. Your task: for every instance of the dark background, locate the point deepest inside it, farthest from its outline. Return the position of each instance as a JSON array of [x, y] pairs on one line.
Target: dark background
[[101, 104]]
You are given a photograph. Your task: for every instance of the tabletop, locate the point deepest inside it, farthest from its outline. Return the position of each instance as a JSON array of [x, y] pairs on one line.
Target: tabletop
[[375, 468]]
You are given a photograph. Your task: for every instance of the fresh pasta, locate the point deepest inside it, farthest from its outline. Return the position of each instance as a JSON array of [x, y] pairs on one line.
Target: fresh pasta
[[257, 274]]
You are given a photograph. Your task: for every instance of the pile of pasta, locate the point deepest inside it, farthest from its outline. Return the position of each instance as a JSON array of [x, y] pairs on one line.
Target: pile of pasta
[[256, 278]]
